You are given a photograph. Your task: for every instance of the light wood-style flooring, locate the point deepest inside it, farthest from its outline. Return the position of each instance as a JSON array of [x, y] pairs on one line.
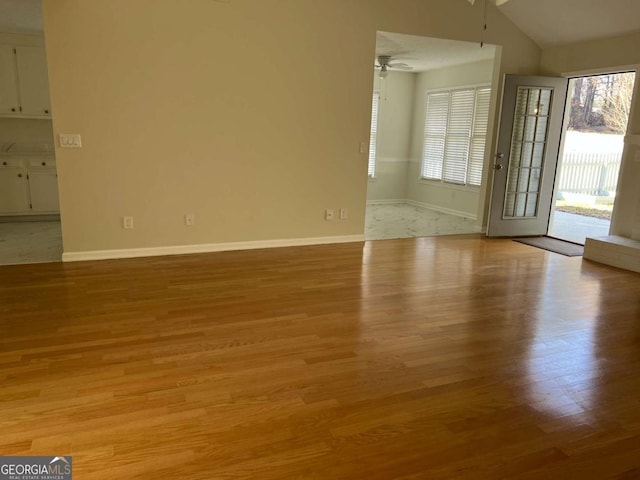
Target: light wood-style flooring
[[429, 358]]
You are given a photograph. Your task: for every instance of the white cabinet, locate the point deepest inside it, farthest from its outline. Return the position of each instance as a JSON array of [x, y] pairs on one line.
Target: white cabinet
[[9, 101], [43, 186], [28, 186], [24, 84], [33, 81], [14, 188]]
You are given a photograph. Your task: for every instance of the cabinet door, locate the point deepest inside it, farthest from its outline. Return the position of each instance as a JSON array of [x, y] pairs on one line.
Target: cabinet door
[[43, 184], [9, 103], [33, 80], [14, 190]]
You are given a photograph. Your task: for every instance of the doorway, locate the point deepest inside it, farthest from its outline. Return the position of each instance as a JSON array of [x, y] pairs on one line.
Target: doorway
[[595, 124], [30, 230], [431, 106]]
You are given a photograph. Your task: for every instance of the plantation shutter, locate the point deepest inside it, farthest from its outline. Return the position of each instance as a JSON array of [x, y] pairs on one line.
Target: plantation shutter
[[373, 138], [478, 137], [455, 131], [435, 133], [456, 150]]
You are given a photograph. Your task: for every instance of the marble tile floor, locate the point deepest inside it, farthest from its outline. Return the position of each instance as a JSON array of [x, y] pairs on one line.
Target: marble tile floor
[[30, 242], [401, 220]]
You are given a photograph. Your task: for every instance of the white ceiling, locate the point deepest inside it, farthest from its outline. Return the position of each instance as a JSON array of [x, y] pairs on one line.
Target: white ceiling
[[556, 22], [424, 53], [21, 16]]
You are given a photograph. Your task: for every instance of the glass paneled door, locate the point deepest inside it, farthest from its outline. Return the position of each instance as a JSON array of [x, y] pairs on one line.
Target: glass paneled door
[[528, 145]]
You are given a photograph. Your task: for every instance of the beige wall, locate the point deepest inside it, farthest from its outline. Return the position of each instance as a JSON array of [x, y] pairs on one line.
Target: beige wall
[[173, 120], [395, 116], [601, 56], [461, 200]]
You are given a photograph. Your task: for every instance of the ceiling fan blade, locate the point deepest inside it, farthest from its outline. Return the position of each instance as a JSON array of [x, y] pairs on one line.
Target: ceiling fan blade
[[400, 66]]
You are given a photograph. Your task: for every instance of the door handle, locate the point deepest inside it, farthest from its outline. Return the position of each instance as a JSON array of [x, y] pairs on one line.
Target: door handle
[[499, 166]]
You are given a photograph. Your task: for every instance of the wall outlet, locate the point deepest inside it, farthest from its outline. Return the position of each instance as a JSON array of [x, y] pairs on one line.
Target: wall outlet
[[328, 214], [127, 223], [190, 219], [364, 147], [344, 214]]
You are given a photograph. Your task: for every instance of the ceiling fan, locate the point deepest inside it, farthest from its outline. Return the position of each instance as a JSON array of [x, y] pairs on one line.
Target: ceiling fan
[[384, 64]]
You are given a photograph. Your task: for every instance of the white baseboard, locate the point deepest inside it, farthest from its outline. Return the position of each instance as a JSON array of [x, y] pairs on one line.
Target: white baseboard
[[387, 202], [438, 208], [205, 248]]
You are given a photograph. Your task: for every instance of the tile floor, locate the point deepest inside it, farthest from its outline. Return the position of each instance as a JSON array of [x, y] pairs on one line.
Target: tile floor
[[402, 220], [30, 242]]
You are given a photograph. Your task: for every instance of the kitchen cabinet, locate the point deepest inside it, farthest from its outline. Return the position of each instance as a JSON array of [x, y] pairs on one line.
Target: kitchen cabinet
[[24, 84], [14, 188], [28, 186], [43, 187], [9, 101]]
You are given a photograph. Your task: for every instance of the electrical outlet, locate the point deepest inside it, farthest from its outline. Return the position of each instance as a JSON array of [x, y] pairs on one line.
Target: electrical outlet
[[190, 219], [344, 214], [328, 214], [127, 223]]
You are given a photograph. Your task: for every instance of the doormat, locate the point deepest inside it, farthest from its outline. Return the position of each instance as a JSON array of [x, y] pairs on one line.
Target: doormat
[[555, 245]]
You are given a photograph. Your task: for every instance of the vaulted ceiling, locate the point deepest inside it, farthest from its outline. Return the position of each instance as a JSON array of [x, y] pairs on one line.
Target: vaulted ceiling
[[557, 22], [547, 22]]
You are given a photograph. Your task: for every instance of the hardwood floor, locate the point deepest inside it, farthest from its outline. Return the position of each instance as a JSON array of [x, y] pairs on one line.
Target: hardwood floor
[[429, 358]]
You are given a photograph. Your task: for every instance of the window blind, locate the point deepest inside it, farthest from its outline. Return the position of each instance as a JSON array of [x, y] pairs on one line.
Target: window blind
[[435, 132], [373, 138], [456, 125], [479, 136]]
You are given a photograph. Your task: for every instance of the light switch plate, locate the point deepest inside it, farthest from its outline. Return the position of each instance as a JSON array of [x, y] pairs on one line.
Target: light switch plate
[[70, 140]]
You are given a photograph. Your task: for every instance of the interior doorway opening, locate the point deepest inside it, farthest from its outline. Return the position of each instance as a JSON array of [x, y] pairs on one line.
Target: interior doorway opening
[[432, 104], [30, 228], [589, 162]]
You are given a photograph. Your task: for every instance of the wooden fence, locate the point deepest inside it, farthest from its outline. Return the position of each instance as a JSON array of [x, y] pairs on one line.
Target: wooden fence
[[590, 173]]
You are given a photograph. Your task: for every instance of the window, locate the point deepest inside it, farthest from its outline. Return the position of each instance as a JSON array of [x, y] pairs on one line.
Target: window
[[373, 138], [454, 135]]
